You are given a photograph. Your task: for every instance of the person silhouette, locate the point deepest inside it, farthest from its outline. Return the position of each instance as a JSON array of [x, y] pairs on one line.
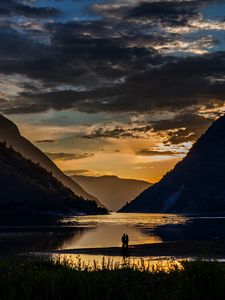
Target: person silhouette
[[126, 241], [123, 239]]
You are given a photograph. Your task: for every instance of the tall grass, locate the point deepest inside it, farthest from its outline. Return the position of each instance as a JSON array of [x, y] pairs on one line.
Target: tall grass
[[40, 279], [110, 264]]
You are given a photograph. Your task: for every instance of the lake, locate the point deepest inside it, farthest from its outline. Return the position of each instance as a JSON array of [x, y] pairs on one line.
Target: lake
[[106, 231]]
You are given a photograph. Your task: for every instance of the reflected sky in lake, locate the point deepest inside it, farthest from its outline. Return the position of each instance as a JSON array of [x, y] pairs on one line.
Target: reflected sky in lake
[[98, 262], [106, 231], [109, 236], [138, 219]]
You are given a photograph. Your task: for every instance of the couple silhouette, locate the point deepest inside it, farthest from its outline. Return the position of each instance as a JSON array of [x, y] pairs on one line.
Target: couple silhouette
[[125, 241]]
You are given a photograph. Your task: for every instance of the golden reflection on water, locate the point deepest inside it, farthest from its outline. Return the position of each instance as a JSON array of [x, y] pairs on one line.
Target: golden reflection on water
[[106, 231], [99, 262], [140, 219], [109, 236]]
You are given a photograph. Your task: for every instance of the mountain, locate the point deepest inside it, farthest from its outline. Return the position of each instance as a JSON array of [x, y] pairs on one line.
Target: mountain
[[112, 191], [195, 185], [27, 188], [11, 135]]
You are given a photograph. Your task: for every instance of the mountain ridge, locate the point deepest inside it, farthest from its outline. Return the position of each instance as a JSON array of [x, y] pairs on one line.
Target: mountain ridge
[[195, 185], [29, 189], [10, 133], [111, 190]]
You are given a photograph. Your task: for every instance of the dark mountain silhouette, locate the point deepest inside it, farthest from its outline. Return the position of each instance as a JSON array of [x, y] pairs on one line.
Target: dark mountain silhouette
[[27, 188], [112, 191], [195, 185], [10, 133]]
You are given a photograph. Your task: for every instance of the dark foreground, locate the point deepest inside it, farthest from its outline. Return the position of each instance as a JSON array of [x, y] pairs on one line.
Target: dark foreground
[[40, 280], [215, 249]]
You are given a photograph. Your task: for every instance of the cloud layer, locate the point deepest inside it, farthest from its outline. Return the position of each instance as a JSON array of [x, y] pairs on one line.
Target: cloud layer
[[69, 156], [152, 72], [112, 64]]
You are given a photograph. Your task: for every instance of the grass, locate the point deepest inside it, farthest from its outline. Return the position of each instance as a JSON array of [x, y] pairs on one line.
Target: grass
[[40, 279]]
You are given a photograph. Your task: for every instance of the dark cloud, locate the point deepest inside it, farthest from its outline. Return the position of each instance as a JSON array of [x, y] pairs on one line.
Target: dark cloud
[[45, 141], [77, 172], [68, 156], [155, 13], [191, 81], [188, 127], [93, 66], [167, 12], [183, 136], [73, 58], [111, 65], [118, 132], [183, 120], [114, 133], [147, 152], [172, 13], [184, 127], [16, 7]]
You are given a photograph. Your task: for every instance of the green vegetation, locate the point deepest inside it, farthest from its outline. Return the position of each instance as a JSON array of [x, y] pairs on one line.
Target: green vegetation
[[47, 279]]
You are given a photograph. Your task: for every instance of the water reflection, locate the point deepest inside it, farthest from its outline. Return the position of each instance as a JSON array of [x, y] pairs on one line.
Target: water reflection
[[138, 219], [25, 240], [99, 262], [109, 236], [198, 228], [106, 231]]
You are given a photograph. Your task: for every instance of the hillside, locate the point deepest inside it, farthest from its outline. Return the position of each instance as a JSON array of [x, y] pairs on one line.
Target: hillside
[[10, 133], [195, 185], [27, 188], [112, 191]]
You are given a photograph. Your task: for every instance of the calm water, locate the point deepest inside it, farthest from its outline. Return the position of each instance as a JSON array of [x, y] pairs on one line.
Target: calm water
[[106, 231]]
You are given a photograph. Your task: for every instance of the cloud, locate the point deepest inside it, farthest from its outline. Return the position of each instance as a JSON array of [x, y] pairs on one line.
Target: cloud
[[191, 81], [45, 141], [107, 58], [68, 156], [167, 12], [81, 172], [16, 7], [184, 127], [103, 66], [77, 172], [123, 62], [110, 133], [117, 132], [147, 152]]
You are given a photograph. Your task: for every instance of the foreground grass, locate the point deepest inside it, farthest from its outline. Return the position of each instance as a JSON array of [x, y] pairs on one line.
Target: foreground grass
[[46, 279]]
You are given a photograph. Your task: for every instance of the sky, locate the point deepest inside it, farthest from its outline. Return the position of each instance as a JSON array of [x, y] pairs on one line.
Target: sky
[[107, 87]]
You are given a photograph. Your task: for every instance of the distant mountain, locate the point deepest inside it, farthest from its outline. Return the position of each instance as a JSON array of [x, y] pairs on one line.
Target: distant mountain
[[113, 192], [10, 133], [27, 188], [195, 185]]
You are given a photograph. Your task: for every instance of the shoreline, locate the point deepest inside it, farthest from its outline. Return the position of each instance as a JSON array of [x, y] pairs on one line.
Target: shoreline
[[201, 249]]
